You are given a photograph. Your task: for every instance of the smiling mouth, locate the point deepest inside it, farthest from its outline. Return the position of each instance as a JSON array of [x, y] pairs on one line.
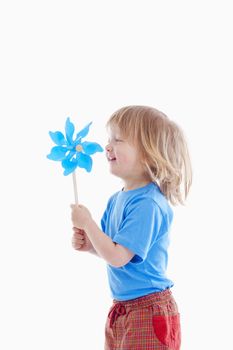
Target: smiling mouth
[[111, 159]]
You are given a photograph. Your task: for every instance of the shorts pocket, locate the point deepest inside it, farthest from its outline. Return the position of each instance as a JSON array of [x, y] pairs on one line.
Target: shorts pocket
[[167, 330]]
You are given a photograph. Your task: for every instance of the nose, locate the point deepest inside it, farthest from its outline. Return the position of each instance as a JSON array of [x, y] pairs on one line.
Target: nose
[[108, 147]]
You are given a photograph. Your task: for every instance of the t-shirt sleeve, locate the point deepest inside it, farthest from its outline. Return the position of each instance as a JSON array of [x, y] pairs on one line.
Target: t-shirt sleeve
[[105, 214], [140, 227], [103, 220]]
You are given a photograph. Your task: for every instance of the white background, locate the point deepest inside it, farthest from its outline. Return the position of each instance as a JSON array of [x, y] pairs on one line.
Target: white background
[[85, 59]]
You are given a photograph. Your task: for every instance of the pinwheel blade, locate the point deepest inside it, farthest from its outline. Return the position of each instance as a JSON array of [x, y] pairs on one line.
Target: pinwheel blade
[[69, 128], [84, 161], [91, 147], [58, 138], [57, 153], [69, 166], [81, 134]]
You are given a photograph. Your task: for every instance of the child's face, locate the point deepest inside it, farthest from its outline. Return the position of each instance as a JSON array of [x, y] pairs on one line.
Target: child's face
[[123, 157]]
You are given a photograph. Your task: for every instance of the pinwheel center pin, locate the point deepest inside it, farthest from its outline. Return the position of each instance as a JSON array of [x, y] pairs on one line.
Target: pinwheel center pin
[[79, 148]]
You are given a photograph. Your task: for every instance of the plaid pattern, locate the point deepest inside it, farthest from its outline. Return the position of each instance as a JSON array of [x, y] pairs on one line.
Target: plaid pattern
[[147, 323]]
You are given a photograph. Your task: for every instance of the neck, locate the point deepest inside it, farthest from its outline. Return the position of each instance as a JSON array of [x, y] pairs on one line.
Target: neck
[[133, 184]]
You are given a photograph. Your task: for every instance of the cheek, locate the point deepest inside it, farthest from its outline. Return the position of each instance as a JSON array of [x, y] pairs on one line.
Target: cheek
[[124, 159], [126, 155]]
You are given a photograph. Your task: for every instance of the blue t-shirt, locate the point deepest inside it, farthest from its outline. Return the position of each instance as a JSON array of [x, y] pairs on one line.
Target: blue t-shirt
[[139, 220]]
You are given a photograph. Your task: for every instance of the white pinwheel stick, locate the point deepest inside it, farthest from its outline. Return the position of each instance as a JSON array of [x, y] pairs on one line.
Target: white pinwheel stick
[[75, 187]]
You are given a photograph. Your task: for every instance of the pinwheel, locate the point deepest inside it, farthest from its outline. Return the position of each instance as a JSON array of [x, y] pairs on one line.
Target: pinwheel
[[72, 152]]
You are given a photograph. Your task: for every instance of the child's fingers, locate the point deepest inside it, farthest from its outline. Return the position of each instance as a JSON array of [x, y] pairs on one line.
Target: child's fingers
[[78, 230], [78, 240], [77, 246], [78, 237]]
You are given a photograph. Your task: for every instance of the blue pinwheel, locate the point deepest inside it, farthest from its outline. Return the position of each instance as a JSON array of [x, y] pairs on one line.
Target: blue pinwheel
[[72, 152]]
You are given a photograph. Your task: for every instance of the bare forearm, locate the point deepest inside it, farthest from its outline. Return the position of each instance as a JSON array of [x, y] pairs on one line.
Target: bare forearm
[[93, 251], [114, 254], [102, 244]]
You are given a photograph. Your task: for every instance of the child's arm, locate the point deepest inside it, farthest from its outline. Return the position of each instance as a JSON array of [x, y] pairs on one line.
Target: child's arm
[[113, 253], [81, 242]]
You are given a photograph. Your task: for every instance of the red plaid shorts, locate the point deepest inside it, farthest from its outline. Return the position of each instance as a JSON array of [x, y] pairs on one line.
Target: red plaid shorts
[[145, 323]]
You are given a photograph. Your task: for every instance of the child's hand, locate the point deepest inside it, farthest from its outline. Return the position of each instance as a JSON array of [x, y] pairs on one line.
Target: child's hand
[[80, 241], [80, 216]]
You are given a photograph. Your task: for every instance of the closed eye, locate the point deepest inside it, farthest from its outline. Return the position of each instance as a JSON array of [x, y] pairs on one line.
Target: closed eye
[[118, 140]]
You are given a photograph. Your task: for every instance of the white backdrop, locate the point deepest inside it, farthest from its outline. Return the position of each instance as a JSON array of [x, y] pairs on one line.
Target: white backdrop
[[85, 59]]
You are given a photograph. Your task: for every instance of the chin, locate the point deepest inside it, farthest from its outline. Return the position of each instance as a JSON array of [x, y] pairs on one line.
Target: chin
[[115, 173]]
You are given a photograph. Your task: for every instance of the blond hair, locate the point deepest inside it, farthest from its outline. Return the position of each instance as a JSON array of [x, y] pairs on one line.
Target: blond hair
[[162, 146]]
